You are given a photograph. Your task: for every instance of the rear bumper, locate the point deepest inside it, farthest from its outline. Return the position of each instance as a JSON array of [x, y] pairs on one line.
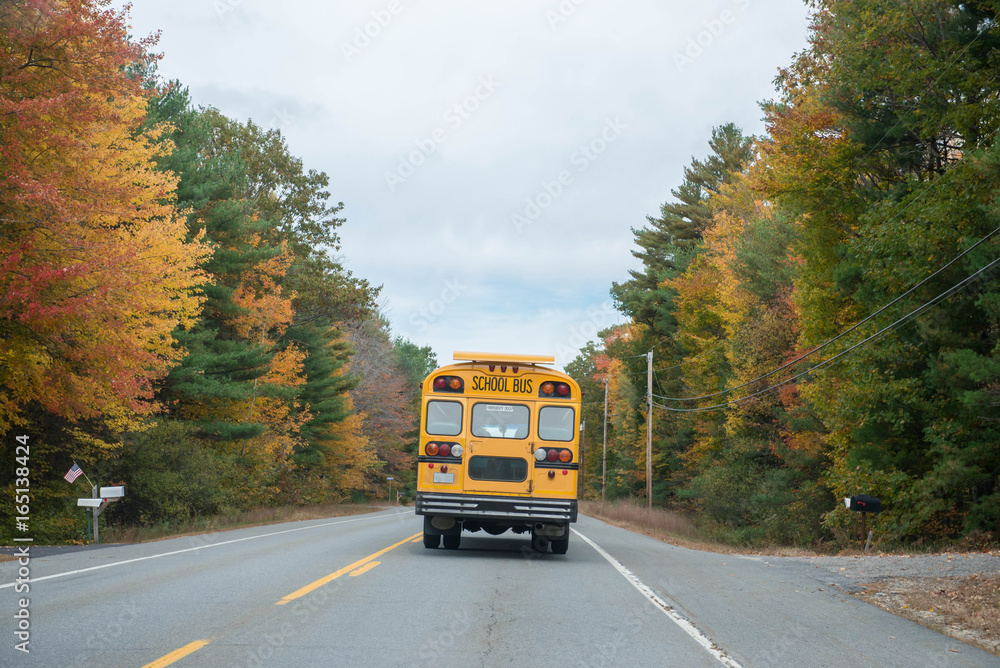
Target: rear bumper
[[496, 508]]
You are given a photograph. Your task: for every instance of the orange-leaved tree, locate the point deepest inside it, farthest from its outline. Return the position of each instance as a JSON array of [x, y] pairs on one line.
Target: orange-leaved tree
[[95, 268]]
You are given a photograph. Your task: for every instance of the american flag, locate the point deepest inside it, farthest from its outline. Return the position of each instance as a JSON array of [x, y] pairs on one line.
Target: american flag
[[74, 473]]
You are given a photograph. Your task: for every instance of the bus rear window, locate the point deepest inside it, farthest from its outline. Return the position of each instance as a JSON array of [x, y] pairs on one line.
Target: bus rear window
[[556, 423], [444, 418], [500, 421], [498, 469]]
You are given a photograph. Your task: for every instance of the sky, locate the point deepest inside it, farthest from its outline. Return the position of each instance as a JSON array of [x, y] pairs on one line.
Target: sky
[[492, 158]]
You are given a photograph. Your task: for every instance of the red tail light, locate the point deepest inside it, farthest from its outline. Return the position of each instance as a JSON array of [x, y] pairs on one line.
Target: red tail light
[[552, 455], [444, 450], [449, 384], [551, 389]]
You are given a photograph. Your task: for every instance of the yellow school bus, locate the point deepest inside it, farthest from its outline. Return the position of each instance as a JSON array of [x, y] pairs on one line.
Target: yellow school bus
[[498, 450]]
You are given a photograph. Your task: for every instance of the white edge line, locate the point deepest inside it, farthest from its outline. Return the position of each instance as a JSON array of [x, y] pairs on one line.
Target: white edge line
[[201, 547], [687, 626]]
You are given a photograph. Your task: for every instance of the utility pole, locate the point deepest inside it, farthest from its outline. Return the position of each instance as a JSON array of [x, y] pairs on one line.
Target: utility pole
[[96, 512], [649, 430], [604, 463], [583, 437]]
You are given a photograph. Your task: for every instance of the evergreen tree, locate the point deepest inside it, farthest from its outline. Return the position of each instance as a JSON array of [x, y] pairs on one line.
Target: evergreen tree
[[670, 241], [220, 365]]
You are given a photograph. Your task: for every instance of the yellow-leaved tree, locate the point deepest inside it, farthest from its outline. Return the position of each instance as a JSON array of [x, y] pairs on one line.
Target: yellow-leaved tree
[[96, 271]]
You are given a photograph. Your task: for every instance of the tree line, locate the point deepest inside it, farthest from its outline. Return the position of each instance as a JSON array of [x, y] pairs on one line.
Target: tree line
[[172, 313], [822, 301]]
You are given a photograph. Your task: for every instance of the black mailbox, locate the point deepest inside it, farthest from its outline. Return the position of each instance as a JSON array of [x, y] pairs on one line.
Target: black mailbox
[[863, 503]]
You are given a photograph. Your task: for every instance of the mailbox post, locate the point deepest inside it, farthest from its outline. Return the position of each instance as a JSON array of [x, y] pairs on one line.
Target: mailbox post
[[864, 504], [98, 502]]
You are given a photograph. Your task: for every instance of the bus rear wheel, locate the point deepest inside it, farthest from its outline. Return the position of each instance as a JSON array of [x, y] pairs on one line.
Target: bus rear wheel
[[561, 545], [431, 541], [452, 542]]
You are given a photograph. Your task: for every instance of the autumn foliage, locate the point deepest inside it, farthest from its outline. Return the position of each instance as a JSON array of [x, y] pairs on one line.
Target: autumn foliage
[[823, 307], [170, 316], [96, 268]]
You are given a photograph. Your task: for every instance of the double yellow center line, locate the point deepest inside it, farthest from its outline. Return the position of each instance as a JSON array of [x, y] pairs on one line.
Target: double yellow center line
[[357, 568], [346, 569]]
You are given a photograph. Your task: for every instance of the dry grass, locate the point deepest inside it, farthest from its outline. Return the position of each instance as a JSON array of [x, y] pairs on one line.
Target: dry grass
[[666, 525], [673, 527], [256, 517], [967, 609]]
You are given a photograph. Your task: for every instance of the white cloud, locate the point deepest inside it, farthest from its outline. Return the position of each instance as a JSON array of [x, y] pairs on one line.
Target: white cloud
[[356, 116]]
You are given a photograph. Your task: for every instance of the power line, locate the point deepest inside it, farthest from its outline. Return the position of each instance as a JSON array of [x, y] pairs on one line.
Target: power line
[[838, 336], [858, 162], [895, 215], [692, 360], [917, 311], [675, 366]]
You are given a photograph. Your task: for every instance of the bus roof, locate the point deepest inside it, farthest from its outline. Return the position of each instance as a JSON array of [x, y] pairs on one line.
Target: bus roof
[[460, 356]]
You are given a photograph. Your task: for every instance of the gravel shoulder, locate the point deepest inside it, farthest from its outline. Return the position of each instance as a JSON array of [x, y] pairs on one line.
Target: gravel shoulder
[[955, 594], [860, 570]]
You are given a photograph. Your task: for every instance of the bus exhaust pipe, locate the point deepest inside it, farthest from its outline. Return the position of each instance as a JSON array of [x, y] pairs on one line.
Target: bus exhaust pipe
[[538, 541]]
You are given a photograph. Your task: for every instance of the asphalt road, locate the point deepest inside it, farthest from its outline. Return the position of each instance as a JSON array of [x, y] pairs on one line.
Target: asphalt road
[[363, 591]]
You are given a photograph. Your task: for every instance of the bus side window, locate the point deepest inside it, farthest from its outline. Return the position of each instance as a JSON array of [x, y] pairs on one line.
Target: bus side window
[[556, 423], [444, 418]]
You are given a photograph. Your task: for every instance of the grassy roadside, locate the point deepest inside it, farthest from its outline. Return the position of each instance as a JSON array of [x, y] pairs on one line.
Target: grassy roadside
[[673, 527], [964, 608]]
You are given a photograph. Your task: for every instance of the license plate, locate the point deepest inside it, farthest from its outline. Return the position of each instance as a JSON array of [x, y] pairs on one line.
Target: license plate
[[448, 478]]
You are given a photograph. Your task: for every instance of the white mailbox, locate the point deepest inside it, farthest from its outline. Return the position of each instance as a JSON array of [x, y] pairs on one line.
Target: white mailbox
[[89, 503], [112, 492]]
